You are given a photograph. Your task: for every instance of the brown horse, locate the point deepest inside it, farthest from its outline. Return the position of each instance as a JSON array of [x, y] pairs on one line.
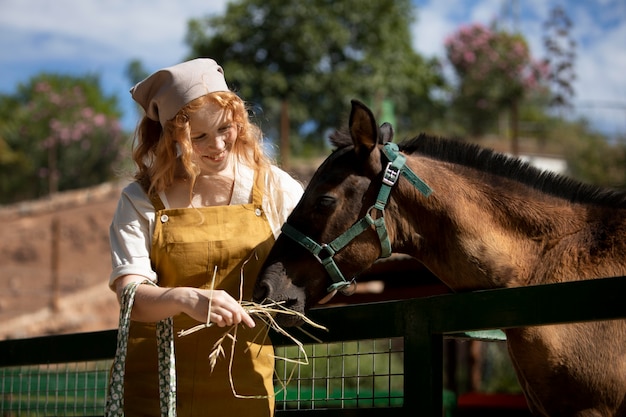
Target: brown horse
[[491, 221]]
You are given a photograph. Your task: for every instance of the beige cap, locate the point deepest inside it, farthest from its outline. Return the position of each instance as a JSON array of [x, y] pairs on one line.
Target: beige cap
[[166, 91]]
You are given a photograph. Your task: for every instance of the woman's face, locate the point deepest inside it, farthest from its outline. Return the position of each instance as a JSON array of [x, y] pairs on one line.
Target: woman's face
[[213, 135]]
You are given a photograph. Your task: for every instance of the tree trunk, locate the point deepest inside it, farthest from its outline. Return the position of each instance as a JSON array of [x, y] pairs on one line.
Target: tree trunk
[[285, 147], [53, 172], [514, 128]]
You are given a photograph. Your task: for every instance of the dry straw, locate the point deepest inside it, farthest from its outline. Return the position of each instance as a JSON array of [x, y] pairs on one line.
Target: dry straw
[[265, 312]]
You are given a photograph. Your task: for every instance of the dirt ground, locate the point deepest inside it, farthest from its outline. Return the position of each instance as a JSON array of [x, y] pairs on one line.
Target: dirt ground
[[35, 297]]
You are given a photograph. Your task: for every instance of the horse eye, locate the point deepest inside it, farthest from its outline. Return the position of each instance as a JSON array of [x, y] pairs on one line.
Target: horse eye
[[325, 202]]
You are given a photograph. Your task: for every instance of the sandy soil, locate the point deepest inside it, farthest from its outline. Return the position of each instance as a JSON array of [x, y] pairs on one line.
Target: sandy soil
[[35, 297]]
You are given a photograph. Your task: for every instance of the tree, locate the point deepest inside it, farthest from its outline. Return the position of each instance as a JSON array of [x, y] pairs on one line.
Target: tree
[[561, 48], [57, 133], [590, 156], [135, 71], [302, 61], [495, 71]]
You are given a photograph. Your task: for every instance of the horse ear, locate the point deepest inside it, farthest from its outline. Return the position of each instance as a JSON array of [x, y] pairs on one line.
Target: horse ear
[[363, 128], [386, 132]]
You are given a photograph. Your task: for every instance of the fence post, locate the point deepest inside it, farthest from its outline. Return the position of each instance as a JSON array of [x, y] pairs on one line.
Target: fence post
[[55, 254], [423, 365]]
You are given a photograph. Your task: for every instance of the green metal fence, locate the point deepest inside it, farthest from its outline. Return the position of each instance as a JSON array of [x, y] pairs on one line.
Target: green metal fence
[[69, 389], [397, 347]]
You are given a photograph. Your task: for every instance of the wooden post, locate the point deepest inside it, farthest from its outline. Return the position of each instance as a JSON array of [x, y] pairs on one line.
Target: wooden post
[[54, 264]]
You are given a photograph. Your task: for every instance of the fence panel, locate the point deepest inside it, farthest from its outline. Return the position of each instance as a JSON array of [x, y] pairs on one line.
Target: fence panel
[[379, 359]]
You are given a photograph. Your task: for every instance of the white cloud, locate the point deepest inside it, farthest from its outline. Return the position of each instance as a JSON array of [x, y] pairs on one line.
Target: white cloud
[[485, 11], [602, 67], [152, 30], [428, 31]]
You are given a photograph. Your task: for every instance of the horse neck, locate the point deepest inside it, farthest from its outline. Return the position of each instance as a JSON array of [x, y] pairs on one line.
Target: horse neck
[[475, 235]]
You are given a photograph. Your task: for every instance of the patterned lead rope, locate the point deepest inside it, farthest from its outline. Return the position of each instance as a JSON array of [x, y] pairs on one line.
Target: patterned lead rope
[[167, 365]]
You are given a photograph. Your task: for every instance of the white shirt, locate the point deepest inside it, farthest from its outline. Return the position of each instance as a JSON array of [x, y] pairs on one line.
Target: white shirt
[[132, 227]]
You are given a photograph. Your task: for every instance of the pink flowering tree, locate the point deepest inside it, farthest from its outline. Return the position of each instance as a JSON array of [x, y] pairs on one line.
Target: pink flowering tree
[[63, 132], [495, 72]]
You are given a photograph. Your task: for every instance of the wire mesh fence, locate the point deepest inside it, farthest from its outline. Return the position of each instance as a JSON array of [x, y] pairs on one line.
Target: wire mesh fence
[[365, 373], [67, 389]]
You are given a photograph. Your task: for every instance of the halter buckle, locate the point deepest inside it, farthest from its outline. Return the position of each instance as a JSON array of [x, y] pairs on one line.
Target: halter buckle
[[325, 253], [390, 177]]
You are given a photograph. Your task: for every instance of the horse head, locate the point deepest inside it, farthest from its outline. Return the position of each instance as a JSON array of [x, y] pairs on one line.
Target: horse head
[[300, 272]]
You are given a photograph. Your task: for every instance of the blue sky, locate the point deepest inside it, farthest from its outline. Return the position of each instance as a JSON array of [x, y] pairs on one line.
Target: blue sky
[[100, 37]]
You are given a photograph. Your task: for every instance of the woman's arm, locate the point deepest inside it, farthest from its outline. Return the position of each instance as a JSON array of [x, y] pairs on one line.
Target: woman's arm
[[153, 303]]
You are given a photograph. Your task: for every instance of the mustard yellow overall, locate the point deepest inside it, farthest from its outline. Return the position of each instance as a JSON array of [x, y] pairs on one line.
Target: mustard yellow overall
[[190, 245]]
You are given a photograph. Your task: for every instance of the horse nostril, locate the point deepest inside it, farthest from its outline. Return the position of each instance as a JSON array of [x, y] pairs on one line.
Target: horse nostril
[[262, 292]]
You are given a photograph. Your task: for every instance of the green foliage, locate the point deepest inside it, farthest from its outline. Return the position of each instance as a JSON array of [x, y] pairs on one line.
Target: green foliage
[[590, 156], [498, 371], [135, 71], [318, 55], [57, 133]]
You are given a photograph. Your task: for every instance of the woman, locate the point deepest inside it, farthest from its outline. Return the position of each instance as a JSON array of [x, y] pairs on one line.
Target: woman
[[200, 218]]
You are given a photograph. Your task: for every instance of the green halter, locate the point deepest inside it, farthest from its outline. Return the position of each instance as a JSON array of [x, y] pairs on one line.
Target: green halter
[[325, 252]]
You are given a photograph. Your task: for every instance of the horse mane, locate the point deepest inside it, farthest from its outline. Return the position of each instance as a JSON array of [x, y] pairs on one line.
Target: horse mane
[[487, 160]]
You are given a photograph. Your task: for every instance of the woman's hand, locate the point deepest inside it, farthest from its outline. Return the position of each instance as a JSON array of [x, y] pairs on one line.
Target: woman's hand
[[224, 309]]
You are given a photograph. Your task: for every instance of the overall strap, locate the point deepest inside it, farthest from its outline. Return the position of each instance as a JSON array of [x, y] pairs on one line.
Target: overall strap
[[154, 197], [258, 189]]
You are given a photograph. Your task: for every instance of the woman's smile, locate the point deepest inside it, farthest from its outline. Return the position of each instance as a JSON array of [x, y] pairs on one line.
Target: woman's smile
[[217, 157]]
